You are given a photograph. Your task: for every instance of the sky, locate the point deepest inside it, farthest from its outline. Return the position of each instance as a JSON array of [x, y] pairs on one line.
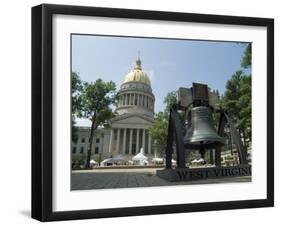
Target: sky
[[170, 63]]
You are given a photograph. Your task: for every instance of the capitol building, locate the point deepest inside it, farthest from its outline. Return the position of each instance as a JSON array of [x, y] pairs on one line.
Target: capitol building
[[128, 132]]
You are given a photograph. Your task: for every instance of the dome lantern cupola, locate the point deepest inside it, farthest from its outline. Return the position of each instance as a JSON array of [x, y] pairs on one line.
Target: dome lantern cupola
[[137, 74], [135, 93], [138, 64]]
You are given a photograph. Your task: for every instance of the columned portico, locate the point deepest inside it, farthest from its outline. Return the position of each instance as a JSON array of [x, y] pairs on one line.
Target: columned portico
[[138, 140], [111, 140], [131, 141], [124, 141], [149, 144], [143, 140], [118, 142], [123, 144]]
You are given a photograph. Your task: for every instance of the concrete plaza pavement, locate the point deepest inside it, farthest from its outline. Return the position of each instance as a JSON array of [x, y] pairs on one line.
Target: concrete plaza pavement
[[129, 178]]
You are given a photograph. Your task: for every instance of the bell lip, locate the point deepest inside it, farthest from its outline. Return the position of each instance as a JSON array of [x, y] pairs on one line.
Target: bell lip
[[204, 137], [212, 145], [197, 107]]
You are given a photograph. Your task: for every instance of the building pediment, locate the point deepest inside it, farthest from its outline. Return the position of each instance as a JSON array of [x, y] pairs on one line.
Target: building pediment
[[131, 121]]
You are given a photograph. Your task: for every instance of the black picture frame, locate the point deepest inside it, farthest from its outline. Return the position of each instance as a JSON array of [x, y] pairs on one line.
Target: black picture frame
[[42, 111]]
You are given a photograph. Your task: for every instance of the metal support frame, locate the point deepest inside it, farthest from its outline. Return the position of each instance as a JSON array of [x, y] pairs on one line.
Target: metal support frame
[[242, 152], [175, 134]]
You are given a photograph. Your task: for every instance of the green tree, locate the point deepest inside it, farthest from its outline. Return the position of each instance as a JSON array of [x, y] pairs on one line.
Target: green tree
[[170, 100], [159, 130], [246, 61], [245, 103], [76, 88], [237, 103], [96, 99]]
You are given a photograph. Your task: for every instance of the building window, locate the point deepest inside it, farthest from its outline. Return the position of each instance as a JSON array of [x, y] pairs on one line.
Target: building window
[[83, 140], [96, 150], [97, 140], [73, 150], [81, 150]]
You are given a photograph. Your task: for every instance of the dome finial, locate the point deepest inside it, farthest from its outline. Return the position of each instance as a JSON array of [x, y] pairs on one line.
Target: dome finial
[[138, 62]]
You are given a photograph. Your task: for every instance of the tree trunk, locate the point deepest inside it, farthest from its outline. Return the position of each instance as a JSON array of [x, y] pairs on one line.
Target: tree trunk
[[89, 151]]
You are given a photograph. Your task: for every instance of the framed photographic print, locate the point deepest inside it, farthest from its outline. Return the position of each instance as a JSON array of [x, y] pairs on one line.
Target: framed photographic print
[[146, 112]]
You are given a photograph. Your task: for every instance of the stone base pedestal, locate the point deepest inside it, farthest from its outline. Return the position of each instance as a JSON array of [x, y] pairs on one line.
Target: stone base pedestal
[[187, 174]]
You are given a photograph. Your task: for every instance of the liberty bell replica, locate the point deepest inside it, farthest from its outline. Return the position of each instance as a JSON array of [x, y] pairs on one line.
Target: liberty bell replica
[[200, 131], [200, 102]]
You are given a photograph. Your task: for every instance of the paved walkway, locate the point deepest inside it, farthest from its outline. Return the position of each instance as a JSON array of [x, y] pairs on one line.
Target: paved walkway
[[129, 178]]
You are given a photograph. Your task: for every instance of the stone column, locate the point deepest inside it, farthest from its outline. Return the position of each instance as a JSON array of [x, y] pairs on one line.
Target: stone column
[[145, 101], [138, 140], [124, 142], [131, 141], [111, 140], [118, 140], [138, 96], [134, 100], [143, 140], [149, 144]]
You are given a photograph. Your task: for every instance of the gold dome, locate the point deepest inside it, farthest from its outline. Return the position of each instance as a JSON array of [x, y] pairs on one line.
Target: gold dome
[[137, 75]]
